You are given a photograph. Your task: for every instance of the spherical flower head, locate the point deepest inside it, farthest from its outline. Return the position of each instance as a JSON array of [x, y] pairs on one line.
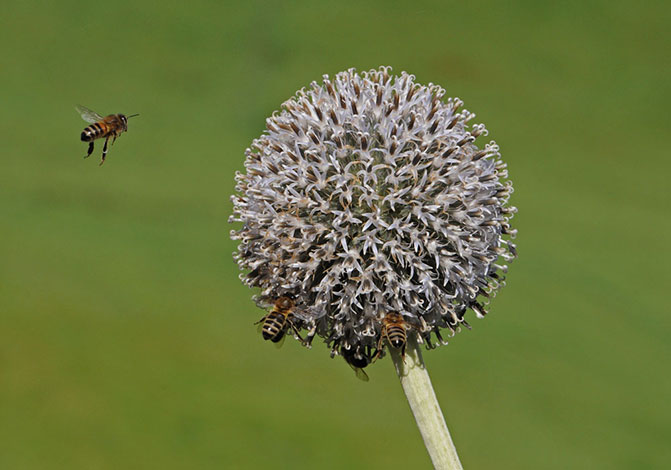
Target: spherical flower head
[[368, 196]]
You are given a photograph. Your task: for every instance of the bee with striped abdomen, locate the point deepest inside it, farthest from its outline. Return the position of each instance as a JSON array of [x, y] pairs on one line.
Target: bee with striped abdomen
[[275, 324], [394, 330], [102, 127]]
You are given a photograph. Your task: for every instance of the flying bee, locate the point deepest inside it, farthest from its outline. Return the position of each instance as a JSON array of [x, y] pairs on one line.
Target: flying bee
[[275, 324], [394, 330], [102, 127]]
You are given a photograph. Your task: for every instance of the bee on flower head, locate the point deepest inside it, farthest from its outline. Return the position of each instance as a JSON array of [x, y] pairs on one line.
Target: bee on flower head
[[282, 317], [395, 331], [108, 127]]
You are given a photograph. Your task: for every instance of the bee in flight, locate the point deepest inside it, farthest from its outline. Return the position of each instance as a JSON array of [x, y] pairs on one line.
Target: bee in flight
[[275, 324], [111, 126], [394, 330]]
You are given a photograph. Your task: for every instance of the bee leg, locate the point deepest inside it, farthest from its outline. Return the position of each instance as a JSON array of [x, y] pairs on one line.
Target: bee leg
[[114, 140], [90, 150], [379, 348], [300, 338], [104, 151]]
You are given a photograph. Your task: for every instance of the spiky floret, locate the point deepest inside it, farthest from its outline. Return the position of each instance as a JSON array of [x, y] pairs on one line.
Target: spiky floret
[[366, 195]]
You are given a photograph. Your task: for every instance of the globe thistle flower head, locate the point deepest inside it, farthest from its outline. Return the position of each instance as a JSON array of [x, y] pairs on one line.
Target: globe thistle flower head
[[367, 196]]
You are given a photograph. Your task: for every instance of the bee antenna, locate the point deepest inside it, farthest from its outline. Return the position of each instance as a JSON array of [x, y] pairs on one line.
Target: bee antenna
[[132, 115]]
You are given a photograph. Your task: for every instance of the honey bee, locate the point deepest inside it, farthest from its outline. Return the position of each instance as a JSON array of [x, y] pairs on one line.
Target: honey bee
[[275, 324], [394, 330], [111, 126]]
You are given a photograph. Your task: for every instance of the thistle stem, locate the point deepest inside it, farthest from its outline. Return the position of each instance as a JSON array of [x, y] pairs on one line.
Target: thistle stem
[[424, 405]]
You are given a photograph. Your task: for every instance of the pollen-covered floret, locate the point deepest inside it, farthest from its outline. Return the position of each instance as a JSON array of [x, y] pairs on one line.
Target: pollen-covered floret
[[368, 195]]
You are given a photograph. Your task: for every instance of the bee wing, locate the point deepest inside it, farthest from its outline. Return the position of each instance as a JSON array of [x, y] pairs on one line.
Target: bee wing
[[360, 373], [301, 314], [279, 344], [88, 115], [311, 313], [259, 328], [263, 301]]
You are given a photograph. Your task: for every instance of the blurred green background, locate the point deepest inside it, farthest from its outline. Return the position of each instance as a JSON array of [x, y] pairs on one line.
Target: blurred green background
[[126, 338]]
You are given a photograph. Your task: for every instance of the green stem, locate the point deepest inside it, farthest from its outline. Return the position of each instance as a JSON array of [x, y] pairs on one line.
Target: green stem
[[424, 405]]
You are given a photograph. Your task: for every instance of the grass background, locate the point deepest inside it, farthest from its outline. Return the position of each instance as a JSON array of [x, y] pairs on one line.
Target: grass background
[[126, 339]]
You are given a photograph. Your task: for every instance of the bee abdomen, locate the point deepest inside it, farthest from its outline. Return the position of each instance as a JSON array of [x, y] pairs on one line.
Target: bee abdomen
[[92, 132], [397, 336], [273, 327], [356, 360]]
